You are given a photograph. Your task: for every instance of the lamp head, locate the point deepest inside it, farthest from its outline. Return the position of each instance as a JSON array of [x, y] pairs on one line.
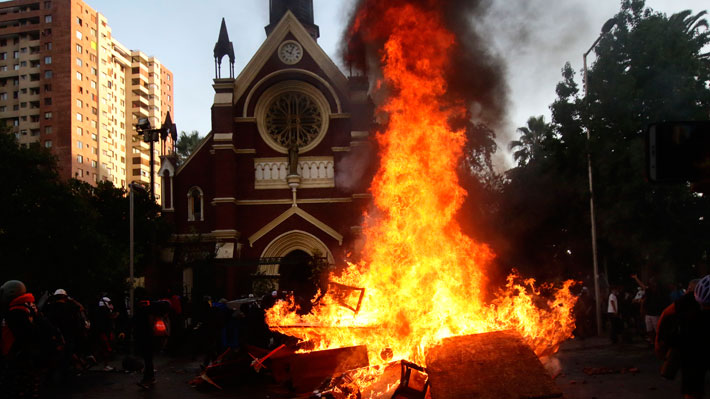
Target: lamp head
[[608, 25], [143, 124]]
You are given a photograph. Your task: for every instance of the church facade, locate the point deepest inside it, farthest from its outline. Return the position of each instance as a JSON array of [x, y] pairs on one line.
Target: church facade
[[278, 187]]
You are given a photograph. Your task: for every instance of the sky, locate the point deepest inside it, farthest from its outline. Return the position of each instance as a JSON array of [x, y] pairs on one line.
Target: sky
[[534, 37]]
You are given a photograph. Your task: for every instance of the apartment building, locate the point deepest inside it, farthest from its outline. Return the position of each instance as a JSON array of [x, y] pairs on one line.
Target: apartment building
[[67, 84]]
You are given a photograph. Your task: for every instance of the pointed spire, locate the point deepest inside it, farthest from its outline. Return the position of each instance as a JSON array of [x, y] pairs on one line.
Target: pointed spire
[[169, 128], [221, 48]]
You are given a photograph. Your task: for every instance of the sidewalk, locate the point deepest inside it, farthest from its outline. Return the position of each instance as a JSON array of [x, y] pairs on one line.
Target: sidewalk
[[628, 371]]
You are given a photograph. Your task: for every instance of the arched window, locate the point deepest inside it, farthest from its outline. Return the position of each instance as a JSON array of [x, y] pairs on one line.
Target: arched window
[[195, 208]]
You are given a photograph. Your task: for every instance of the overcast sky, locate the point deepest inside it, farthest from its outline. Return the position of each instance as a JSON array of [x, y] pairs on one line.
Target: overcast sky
[[535, 37]]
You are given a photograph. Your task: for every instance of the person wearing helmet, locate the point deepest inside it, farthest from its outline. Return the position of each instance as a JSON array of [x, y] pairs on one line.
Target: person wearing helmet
[[66, 315], [682, 338]]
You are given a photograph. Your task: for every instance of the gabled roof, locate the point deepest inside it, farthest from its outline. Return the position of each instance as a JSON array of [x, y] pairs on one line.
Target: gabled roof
[[194, 152], [288, 24], [294, 210]]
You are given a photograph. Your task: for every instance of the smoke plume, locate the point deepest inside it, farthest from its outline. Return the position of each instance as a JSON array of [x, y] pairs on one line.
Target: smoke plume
[[476, 79]]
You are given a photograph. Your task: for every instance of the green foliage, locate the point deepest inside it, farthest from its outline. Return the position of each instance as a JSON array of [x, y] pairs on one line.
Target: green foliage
[[186, 144], [69, 235], [649, 68]]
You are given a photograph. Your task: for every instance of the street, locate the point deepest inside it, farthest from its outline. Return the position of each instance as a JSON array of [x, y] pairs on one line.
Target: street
[[612, 372]]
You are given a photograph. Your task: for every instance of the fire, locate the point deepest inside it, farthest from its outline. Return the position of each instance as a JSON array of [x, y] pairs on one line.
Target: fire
[[424, 279]]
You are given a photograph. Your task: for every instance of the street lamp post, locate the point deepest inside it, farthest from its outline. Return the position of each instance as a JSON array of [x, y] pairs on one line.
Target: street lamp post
[[131, 278], [151, 135], [597, 292]]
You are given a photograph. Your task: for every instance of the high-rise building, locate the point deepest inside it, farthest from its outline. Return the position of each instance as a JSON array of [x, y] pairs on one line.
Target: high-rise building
[[68, 85]]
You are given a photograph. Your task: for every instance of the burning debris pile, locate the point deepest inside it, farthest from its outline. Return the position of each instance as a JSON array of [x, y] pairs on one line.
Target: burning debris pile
[[422, 281]]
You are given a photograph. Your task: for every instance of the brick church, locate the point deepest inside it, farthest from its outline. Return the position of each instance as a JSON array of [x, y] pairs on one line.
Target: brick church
[[276, 191]]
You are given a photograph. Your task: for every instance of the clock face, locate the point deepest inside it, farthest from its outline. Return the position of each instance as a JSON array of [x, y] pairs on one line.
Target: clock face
[[290, 52]]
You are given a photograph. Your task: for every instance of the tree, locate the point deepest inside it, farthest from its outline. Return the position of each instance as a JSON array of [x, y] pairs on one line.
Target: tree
[[533, 138], [186, 144], [71, 235], [649, 68]]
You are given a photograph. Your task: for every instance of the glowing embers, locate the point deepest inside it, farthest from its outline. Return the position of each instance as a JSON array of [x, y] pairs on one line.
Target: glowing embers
[[486, 366]]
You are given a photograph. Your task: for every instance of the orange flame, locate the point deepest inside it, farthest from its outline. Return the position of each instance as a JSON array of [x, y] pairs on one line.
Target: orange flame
[[423, 278]]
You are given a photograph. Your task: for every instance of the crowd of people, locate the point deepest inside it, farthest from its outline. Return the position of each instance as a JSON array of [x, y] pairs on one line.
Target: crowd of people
[[49, 341], [672, 320]]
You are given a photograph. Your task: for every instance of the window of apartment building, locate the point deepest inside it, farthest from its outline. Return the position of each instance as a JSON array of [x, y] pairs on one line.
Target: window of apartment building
[[3, 109], [79, 117], [47, 60], [47, 74], [78, 76], [79, 103], [23, 105], [79, 35], [93, 124], [48, 144], [93, 164], [47, 115], [48, 46], [16, 54], [48, 101], [93, 71], [78, 21], [24, 64], [47, 32], [47, 19], [15, 107], [3, 56], [80, 159], [47, 130], [3, 68], [79, 62], [93, 32], [79, 131], [15, 94], [3, 96], [79, 49], [47, 87], [94, 111], [23, 132], [79, 145], [47, 5], [93, 84], [16, 67], [94, 150]]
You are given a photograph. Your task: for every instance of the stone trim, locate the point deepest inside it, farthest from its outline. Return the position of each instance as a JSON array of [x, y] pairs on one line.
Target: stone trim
[[303, 214]]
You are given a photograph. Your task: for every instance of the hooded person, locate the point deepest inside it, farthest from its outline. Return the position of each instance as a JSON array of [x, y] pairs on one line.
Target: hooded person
[[30, 344]]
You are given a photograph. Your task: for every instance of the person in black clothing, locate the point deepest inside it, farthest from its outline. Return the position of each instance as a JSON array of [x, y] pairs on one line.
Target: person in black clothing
[[65, 314], [684, 328], [30, 344], [653, 303], [148, 338]]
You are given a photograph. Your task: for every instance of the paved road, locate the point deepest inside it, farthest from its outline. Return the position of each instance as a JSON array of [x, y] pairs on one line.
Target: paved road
[[574, 357]]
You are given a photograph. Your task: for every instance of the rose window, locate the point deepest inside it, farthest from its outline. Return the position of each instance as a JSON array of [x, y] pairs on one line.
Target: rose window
[[293, 118]]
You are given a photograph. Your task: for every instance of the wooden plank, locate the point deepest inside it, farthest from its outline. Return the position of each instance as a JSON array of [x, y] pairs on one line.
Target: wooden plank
[[487, 366], [304, 372]]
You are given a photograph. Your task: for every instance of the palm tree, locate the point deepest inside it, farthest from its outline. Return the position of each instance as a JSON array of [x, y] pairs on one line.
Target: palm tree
[[533, 138]]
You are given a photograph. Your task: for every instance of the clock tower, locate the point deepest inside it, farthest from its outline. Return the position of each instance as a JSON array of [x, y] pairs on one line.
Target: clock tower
[[302, 9]]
